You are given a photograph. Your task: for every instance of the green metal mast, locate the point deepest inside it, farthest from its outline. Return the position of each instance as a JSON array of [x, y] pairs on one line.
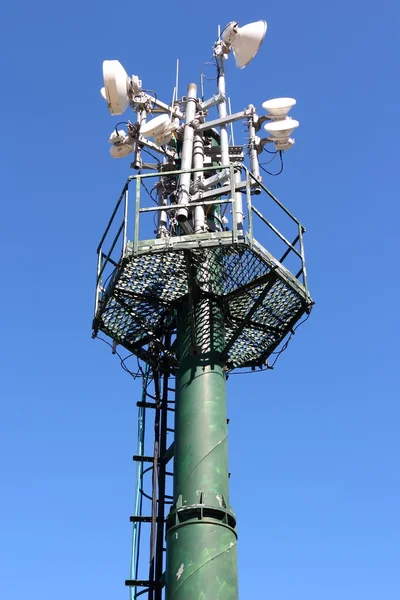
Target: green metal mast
[[201, 535]]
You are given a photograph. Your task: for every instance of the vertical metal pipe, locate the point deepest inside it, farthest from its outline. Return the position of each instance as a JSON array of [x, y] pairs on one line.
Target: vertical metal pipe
[[303, 257], [187, 154], [201, 535], [98, 280], [162, 214], [198, 163], [137, 162], [249, 208], [162, 478], [254, 164], [222, 112], [137, 215], [232, 132], [125, 234]]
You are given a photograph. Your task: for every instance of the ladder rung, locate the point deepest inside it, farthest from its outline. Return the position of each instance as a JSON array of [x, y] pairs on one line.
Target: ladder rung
[[140, 458], [152, 405], [141, 519], [147, 405]]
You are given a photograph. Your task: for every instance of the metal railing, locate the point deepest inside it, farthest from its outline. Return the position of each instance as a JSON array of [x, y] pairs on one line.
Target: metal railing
[[291, 246], [119, 246]]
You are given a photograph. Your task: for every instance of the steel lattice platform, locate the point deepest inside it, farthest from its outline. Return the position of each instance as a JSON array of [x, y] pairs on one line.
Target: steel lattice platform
[[260, 300]]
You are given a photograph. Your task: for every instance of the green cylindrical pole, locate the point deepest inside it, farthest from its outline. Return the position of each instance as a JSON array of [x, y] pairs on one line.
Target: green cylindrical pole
[[201, 536]]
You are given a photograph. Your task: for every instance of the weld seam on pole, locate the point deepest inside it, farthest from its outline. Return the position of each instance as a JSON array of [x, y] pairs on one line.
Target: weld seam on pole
[[199, 463]]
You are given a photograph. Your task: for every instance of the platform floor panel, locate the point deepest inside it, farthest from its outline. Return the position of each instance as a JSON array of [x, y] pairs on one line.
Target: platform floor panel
[[260, 300]]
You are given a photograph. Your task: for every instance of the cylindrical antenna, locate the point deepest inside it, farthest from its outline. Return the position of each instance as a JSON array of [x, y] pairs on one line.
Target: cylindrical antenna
[[224, 141], [187, 154], [198, 163], [172, 103], [254, 164]]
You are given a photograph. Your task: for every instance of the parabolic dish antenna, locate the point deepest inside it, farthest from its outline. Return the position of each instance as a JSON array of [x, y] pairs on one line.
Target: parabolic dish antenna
[[279, 106], [116, 86], [281, 129], [155, 127], [245, 41]]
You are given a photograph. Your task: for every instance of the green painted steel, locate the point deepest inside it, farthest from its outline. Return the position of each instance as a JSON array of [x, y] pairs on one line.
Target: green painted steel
[[201, 535]]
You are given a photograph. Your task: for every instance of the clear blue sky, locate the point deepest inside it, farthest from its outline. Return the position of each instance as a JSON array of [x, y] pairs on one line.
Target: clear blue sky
[[314, 445]]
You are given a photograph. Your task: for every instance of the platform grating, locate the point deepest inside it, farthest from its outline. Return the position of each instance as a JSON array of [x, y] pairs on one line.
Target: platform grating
[[260, 303]]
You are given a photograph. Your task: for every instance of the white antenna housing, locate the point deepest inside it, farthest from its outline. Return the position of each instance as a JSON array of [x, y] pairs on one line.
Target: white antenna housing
[[116, 86], [156, 127], [281, 129], [284, 144], [122, 144], [121, 150], [279, 107], [244, 41]]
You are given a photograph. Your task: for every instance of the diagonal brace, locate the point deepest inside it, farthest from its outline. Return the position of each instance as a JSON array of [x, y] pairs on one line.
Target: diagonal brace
[[249, 315]]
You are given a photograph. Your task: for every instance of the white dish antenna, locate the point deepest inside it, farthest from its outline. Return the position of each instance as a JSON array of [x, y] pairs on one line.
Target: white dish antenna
[[103, 93], [156, 127], [281, 129], [284, 144], [116, 86], [245, 41], [122, 144], [121, 150], [279, 107]]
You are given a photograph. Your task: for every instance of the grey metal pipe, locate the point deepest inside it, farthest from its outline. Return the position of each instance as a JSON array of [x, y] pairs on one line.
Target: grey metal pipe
[[187, 154], [198, 163], [162, 231]]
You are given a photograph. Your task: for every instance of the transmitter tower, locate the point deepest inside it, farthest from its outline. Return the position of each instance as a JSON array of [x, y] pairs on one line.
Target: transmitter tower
[[185, 285]]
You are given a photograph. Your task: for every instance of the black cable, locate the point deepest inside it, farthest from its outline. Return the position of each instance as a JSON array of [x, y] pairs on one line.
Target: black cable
[[286, 344], [247, 372], [281, 169], [144, 149], [155, 97], [149, 192], [270, 151], [104, 285], [277, 353], [120, 123], [141, 593], [214, 64], [271, 159], [122, 360], [140, 368]]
